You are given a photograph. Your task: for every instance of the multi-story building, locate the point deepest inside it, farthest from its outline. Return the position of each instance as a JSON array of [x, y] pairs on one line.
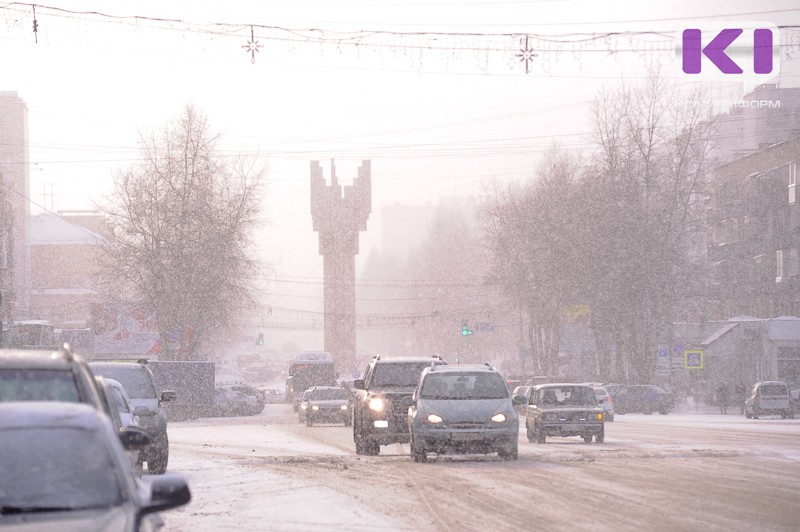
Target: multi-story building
[[753, 223], [14, 195]]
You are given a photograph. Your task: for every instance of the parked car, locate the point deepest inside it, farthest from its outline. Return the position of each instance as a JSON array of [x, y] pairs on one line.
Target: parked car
[[122, 416], [232, 400], [326, 404], [564, 409], [644, 398], [605, 401], [462, 409], [147, 400], [769, 398], [271, 395], [40, 375], [83, 479]]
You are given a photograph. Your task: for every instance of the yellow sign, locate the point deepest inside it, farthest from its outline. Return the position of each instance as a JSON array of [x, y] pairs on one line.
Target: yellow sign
[[692, 359]]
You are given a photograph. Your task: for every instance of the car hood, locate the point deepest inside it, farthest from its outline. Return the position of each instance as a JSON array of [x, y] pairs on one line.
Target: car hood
[[460, 410], [101, 520], [333, 402]]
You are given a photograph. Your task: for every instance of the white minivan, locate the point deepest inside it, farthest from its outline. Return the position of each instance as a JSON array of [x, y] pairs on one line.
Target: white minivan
[[769, 398]]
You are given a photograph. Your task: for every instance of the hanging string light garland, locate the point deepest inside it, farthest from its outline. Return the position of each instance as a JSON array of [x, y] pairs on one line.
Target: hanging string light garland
[[412, 46]]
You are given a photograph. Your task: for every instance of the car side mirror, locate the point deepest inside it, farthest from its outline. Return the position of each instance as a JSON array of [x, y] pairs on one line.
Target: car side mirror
[[134, 438], [358, 384], [407, 402], [519, 400], [166, 492], [168, 395]]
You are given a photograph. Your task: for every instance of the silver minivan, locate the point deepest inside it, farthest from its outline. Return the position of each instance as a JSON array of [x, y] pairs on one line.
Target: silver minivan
[[769, 398]]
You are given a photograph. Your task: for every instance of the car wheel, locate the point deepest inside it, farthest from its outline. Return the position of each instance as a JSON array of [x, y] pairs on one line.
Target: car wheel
[[663, 412], [509, 453], [157, 461], [620, 411], [530, 435], [587, 439], [419, 454], [600, 437], [309, 421], [747, 415], [647, 412], [348, 421], [541, 437]]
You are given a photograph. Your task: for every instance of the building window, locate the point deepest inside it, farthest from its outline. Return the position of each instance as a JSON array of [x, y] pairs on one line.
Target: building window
[[780, 257], [793, 263]]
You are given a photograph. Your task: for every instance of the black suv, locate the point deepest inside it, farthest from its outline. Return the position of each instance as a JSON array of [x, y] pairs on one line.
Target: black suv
[[379, 417], [146, 399]]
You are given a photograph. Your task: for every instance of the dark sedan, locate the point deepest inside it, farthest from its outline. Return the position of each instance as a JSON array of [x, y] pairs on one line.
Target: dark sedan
[[644, 398]]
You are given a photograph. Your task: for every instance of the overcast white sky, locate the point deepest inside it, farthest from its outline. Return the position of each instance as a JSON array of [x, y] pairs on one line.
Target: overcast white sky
[[438, 115]]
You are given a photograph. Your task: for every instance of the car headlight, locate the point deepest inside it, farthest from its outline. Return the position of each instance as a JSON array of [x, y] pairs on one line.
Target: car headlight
[[303, 406], [343, 407], [499, 418], [599, 416], [433, 418], [315, 407], [377, 404]]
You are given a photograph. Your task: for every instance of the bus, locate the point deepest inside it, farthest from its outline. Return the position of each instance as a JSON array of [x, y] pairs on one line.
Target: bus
[[307, 369]]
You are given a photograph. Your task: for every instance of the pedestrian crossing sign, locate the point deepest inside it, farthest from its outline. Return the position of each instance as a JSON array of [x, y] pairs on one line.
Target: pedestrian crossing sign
[[693, 359]]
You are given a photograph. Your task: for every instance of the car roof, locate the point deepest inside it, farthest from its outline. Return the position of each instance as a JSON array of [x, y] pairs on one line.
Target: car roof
[[37, 414], [115, 363], [36, 359], [465, 368], [432, 360], [559, 385]]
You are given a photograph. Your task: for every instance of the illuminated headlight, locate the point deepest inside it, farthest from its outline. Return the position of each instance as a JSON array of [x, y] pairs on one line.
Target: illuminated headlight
[[303, 406], [315, 407], [376, 404], [499, 418], [343, 407], [433, 418]]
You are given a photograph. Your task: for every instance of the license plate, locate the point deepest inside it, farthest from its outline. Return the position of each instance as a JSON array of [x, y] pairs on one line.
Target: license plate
[[572, 428], [467, 436]]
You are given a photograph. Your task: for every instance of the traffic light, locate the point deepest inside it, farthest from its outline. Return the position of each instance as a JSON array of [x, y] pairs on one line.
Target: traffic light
[[465, 331], [260, 339]]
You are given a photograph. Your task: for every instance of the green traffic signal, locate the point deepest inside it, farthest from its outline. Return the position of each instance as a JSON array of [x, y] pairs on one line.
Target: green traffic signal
[[465, 330]]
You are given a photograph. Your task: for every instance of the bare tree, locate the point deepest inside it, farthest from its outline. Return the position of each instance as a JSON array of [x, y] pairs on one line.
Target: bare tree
[[180, 233]]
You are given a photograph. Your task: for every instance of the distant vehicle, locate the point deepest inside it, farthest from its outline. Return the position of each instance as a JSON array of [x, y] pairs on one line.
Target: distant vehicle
[[326, 404], [564, 410], [605, 401], [271, 395], [462, 409], [309, 368], [193, 381], [769, 398], [83, 479], [236, 398], [644, 398]]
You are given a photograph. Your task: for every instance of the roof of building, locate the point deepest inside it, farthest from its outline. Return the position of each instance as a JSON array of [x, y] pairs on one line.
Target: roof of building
[[48, 229]]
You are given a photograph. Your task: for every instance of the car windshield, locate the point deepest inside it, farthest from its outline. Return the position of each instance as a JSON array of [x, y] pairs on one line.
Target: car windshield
[[134, 379], [329, 394], [57, 468], [773, 389], [398, 374], [464, 386], [568, 396], [37, 385]]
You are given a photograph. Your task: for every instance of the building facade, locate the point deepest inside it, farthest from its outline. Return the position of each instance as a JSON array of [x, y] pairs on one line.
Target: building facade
[[15, 197]]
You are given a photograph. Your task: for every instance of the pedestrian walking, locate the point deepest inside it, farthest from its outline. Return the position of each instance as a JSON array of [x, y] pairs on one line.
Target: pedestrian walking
[[723, 398]]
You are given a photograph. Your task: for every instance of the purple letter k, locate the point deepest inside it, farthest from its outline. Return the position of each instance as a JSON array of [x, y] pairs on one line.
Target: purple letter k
[[715, 51]]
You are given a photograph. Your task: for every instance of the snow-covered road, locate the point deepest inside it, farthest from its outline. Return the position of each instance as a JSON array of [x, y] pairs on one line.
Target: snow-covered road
[[676, 472]]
